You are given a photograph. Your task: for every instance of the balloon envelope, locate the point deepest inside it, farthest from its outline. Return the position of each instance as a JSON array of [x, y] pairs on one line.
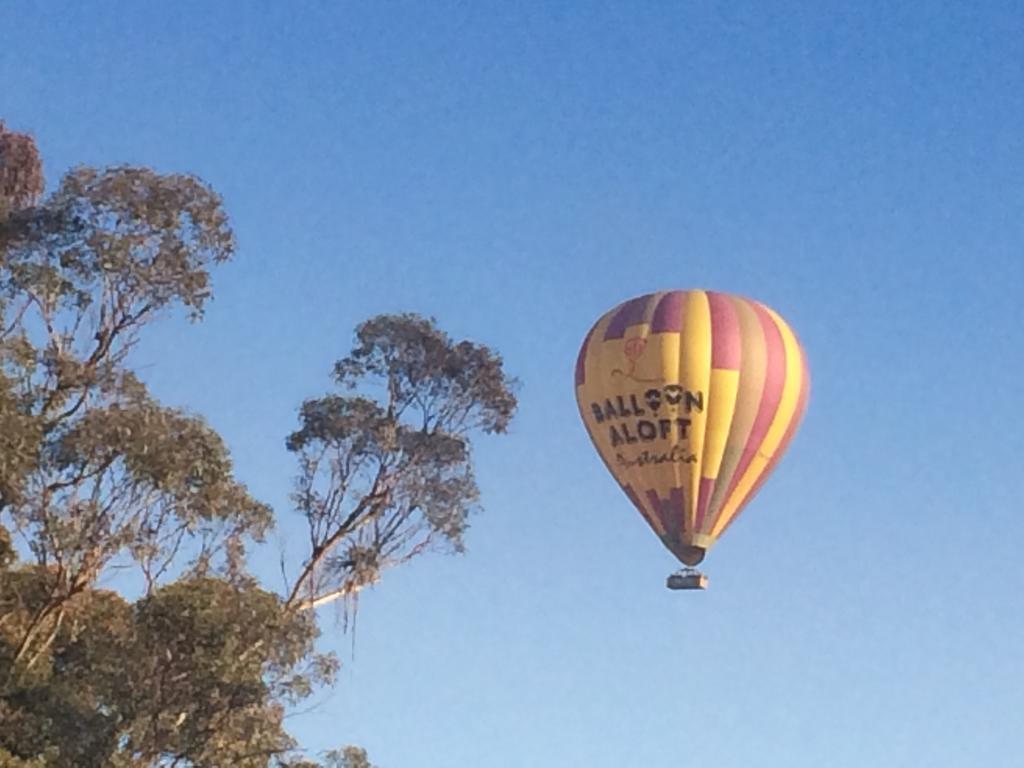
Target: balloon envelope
[[691, 398]]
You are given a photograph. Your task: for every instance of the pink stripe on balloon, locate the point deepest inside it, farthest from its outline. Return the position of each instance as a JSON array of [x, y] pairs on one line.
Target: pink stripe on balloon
[[707, 486], [670, 511], [726, 342], [677, 509], [668, 315]]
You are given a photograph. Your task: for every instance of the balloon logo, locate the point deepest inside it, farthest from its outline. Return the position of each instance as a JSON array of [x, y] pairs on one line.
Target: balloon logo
[[635, 348], [691, 398]]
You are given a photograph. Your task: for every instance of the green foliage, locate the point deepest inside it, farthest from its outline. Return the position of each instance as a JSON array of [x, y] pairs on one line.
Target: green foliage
[[198, 669], [385, 478], [198, 672], [91, 467]]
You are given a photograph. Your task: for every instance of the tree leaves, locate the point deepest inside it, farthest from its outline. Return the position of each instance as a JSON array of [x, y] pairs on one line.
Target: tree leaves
[[94, 471], [191, 673], [384, 478], [456, 386], [200, 669], [90, 466]]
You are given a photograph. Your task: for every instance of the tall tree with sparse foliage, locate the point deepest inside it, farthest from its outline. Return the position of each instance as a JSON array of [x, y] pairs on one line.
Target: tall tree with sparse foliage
[[200, 666]]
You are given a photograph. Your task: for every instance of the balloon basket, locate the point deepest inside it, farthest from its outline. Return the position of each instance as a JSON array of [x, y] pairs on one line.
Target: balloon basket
[[688, 578]]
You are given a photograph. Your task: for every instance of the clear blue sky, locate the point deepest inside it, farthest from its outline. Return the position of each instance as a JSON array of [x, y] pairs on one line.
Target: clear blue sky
[[515, 169]]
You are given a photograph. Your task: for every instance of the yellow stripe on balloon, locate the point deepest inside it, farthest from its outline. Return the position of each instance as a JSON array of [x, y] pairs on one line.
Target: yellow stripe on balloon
[[695, 376], [721, 406]]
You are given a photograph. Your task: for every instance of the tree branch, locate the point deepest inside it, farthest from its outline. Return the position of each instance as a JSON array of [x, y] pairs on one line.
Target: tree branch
[[368, 507], [346, 590]]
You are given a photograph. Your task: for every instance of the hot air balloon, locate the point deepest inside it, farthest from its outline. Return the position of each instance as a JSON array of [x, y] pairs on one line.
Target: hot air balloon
[[691, 398]]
